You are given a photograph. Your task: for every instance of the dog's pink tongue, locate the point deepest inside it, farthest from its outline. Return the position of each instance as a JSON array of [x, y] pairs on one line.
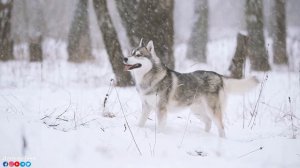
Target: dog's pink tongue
[[127, 67]]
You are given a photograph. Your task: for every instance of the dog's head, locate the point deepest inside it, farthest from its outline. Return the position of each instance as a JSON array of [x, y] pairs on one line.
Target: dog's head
[[142, 58]]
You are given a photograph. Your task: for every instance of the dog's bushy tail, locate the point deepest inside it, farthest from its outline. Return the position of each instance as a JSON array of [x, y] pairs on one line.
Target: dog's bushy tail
[[239, 86]]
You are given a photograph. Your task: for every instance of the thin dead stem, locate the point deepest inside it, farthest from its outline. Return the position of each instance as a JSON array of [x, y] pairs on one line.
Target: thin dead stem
[[255, 110], [132, 136], [244, 66], [107, 94], [292, 119], [69, 105], [155, 125], [187, 122], [246, 154]]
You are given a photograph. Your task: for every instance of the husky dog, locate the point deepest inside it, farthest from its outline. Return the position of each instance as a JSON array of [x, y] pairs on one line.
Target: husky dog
[[162, 89]]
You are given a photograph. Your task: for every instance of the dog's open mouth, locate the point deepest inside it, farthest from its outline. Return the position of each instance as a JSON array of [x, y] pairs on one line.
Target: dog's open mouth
[[129, 67]]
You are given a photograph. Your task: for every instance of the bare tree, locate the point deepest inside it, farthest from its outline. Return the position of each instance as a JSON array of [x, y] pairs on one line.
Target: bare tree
[[34, 16], [35, 49], [128, 11], [151, 20], [199, 38], [238, 61], [6, 43], [79, 42], [279, 33], [257, 50], [112, 44]]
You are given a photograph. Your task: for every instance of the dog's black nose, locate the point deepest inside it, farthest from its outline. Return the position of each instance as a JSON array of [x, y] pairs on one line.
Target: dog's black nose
[[125, 59]]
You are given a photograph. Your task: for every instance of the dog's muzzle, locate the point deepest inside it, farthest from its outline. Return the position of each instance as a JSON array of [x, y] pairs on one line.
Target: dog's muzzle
[[128, 67]]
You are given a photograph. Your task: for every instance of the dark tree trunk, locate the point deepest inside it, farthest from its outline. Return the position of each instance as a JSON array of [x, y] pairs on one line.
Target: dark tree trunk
[[199, 38], [257, 50], [112, 44], [79, 42], [128, 11], [238, 61], [35, 50], [155, 20], [6, 43], [279, 33], [34, 14], [151, 20]]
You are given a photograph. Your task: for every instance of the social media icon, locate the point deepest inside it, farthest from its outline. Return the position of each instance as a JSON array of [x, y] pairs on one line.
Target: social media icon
[[11, 164], [22, 164], [5, 164], [17, 164], [28, 164]]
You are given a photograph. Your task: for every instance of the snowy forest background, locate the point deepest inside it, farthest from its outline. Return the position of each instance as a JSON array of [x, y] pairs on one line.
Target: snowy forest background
[[58, 102]]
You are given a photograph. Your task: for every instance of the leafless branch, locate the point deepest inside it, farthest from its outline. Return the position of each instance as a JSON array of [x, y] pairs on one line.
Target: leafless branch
[[187, 122], [246, 154], [67, 107], [132, 136], [255, 109], [292, 119]]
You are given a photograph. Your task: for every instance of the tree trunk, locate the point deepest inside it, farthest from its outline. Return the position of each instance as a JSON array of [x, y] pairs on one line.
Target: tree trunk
[[279, 33], [34, 14], [79, 42], [6, 43], [238, 61], [257, 50], [199, 38], [35, 50], [112, 44], [128, 11], [150, 20]]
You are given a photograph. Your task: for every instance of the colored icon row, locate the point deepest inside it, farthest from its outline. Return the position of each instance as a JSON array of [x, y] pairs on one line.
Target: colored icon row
[[16, 164]]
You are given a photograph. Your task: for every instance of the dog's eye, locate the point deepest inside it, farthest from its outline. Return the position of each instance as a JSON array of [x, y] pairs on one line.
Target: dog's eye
[[138, 55]]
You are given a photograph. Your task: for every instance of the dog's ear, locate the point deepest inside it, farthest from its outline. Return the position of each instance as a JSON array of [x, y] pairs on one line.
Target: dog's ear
[[141, 43], [150, 46]]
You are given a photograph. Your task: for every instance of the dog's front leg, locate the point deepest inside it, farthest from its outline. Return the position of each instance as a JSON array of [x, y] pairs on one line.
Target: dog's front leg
[[145, 114], [162, 118]]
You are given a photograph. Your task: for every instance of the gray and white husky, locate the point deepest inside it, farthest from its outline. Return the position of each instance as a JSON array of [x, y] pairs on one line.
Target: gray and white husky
[[164, 90]]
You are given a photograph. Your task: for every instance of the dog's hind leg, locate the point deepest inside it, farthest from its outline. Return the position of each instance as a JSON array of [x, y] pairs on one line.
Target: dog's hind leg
[[218, 119], [145, 114], [207, 122], [215, 112], [200, 112], [219, 111]]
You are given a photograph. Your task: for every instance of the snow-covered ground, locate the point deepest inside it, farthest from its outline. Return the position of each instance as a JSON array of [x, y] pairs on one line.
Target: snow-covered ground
[[52, 115]]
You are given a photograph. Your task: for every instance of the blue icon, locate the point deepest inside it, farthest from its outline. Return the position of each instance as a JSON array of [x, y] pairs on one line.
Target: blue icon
[[22, 164], [5, 164], [28, 164]]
